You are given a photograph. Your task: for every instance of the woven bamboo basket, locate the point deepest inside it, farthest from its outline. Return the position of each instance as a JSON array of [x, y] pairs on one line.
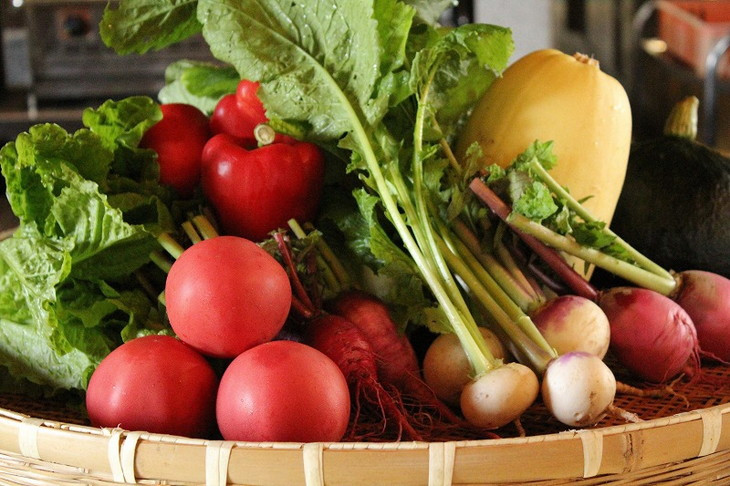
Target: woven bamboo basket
[[683, 438]]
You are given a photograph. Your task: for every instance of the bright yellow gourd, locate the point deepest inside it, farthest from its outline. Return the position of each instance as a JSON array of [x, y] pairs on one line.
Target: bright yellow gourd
[[549, 95]]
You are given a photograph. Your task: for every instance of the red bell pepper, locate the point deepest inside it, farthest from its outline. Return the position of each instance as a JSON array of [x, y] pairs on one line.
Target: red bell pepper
[[256, 191], [238, 114]]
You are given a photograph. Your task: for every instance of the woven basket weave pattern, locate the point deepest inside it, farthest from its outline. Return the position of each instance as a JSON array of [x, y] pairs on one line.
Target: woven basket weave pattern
[[683, 439]]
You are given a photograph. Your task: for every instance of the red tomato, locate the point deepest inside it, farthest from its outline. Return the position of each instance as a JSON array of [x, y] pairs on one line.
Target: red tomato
[[257, 191], [225, 295], [179, 139], [283, 391], [155, 384]]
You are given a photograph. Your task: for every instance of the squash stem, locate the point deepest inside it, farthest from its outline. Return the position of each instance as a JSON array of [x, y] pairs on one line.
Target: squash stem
[[682, 120]]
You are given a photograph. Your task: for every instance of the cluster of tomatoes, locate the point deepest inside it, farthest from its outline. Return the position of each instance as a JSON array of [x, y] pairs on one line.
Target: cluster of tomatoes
[[226, 298]]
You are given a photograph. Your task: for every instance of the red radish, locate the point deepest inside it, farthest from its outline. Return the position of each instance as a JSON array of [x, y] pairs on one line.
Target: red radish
[[446, 368], [706, 298], [650, 334], [155, 384], [283, 391], [396, 359], [397, 362], [578, 388], [225, 295], [345, 344], [573, 323]]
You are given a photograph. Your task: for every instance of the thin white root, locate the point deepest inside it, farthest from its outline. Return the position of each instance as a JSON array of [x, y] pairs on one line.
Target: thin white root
[[619, 412]]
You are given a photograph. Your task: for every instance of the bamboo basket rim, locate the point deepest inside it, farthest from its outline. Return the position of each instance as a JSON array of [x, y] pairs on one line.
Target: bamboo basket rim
[[117, 456]]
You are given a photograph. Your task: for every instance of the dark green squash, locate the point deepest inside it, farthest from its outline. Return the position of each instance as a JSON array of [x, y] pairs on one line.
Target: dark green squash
[[675, 203]]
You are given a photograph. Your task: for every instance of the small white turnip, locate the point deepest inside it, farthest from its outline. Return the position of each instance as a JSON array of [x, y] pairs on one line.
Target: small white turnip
[[574, 323], [499, 396], [578, 389], [446, 368]]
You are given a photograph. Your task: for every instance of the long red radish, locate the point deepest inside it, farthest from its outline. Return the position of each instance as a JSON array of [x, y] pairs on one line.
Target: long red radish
[[374, 395], [345, 344], [396, 360]]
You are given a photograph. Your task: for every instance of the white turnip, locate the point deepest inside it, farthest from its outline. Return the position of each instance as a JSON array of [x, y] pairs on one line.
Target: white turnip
[[500, 396], [578, 388], [446, 367], [574, 323]]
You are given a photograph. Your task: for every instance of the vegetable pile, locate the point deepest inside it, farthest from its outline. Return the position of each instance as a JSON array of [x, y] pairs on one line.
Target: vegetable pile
[[285, 247]]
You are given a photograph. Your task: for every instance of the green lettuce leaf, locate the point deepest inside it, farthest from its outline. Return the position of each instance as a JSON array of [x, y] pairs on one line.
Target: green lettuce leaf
[[197, 83], [89, 216], [317, 60], [143, 25]]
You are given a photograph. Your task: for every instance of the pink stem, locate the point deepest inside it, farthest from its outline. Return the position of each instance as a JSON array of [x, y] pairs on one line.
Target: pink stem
[[299, 290], [551, 257]]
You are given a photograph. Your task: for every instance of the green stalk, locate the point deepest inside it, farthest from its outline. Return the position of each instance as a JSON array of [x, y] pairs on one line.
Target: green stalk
[[496, 292], [581, 211], [172, 247], [505, 256], [336, 267], [538, 357], [632, 273], [334, 275], [191, 232], [523, 297], [481, 359], [202, 224]]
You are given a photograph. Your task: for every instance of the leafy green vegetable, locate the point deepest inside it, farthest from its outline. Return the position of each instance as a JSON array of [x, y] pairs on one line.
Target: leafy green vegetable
[[143, 25], [530, 196], [69, 266], [197, 83]]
